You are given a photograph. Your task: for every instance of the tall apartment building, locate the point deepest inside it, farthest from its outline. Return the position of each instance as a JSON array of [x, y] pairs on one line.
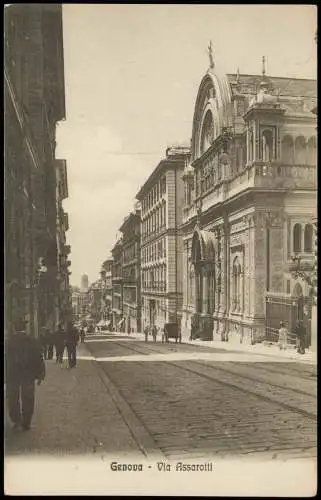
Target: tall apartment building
[[106, 277], [162, 200], [34, 103], [250, 201], [64, 310], [131, 271], [117, 281], [95, 304]]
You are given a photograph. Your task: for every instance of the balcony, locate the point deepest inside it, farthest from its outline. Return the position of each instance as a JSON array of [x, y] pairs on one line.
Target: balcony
[[257, 175], [62, 179], [65, 221], [67, 249], [156, 287]]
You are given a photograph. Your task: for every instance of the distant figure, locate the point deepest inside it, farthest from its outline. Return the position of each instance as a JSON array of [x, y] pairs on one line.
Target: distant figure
[[154, 332], [43, 339], [82, 335], [50, 343], [72, 339], [300, 333], [24, 365], [283, 336], [60, 338], [146, 332]]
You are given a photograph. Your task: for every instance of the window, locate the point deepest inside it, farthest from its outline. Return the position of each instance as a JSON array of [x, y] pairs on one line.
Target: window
[[311, 151], [236, 305], [300, 151], [297, 236], [308, 235], [250, 153], [164, 184], [267, 146], [287, 150]]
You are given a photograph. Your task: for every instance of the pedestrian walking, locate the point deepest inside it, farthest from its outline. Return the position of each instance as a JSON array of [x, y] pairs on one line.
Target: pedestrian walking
[[146, 332], [60, 338], [283, 336], [154, 332], [43, 341], [24, 365], [300, 333], [50, 344], [82, 335], [72, 339]]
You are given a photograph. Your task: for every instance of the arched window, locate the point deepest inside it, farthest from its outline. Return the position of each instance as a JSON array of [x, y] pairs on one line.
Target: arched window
[[297, 238], [250, 153], [287, 151], [207, 134], [267, 146], [312, 151], [300, 151], [236, 303], [308, 235]]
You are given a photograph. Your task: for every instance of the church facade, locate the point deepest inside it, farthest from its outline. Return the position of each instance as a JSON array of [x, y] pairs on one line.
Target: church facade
[[250, 199]]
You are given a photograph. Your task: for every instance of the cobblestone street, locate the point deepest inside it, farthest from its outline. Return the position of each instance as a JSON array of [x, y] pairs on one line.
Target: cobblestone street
[[173, 401]]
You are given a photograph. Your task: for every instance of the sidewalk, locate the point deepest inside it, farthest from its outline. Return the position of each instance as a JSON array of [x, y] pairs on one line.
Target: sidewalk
[[262, 349], [74, 414]]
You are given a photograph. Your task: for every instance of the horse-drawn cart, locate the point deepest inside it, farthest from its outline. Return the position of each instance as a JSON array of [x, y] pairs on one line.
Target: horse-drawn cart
[[171, 331]]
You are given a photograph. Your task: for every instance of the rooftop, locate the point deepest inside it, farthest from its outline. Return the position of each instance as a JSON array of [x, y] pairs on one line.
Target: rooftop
[[175, 155], [291, 87]]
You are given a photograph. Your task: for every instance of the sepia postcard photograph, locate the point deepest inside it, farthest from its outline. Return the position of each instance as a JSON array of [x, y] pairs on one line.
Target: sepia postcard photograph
[[160, 250]]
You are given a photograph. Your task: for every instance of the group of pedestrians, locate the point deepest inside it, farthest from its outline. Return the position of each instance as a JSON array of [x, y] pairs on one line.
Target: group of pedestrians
[[300, 334], [63, 338], [151, 330], [25, 364]]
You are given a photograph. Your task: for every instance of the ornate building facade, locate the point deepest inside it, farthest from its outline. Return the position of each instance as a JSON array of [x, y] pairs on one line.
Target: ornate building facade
[[34, 103], [107, 298], [131, 271], [117, 290], [162, 198], [64, 309], [250, 199]]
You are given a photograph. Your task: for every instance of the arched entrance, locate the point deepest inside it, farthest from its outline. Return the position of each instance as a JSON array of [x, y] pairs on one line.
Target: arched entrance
[[203, 261]]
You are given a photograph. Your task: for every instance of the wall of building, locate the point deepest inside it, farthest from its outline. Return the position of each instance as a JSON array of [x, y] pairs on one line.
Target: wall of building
[[34, 102]]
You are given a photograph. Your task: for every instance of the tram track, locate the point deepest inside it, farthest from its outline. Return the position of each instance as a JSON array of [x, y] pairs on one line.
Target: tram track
[[143, 405], [270, 387]]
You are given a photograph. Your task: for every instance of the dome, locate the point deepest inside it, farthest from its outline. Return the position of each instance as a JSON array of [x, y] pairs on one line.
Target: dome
[[264, 97]]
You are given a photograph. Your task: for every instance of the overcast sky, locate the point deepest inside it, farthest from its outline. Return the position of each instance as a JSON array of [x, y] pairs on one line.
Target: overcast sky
[[132, 73]]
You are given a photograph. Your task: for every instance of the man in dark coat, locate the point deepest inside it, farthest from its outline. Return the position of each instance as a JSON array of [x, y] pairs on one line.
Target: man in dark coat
[[300, 333], [50, 343], [82, 335], [43, 339], [60, 339], [24, 365], [72, 339]]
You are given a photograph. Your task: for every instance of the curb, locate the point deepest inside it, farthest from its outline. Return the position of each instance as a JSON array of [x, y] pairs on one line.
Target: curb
[[142, 437]]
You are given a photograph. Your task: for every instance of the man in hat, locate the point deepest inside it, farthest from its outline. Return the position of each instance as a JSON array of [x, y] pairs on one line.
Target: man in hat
[[72, 339], [59, 340], [24, 365]]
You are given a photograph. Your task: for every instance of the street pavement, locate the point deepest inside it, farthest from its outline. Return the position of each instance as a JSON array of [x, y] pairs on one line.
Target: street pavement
[[173, 401], [74, 414]]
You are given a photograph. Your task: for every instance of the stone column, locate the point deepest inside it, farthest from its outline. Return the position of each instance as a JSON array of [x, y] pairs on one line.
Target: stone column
[[275, 225], [259, 281], [205, 289], [257, 142], [185, 275]]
